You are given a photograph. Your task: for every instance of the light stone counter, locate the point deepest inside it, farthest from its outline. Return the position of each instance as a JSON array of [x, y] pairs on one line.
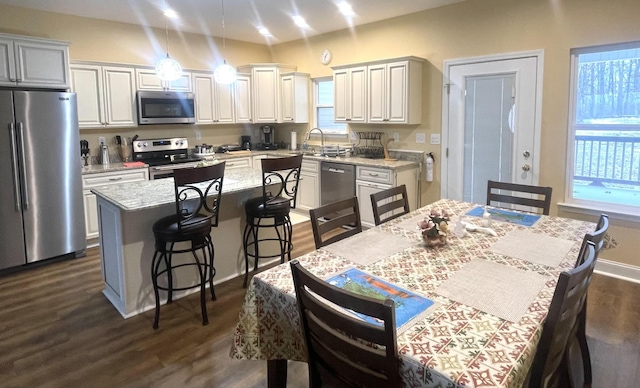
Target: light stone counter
[[99, 168], [127, 213]]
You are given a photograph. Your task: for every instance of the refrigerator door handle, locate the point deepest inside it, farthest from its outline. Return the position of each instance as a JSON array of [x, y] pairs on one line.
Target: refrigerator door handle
[[25, 190], [14, 167]]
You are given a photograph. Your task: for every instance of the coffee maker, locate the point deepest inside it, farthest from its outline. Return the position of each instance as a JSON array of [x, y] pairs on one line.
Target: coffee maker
[[245, 142], [267, 135]]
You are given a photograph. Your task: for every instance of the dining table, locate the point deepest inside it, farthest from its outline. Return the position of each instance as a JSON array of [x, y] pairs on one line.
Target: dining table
[[469, 313]]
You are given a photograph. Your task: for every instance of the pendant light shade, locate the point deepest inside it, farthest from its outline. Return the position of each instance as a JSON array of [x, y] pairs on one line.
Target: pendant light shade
[[224, 74], [168, 69]]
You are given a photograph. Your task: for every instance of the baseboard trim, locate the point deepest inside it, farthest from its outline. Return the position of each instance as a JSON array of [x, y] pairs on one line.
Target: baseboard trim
[[630, 273]]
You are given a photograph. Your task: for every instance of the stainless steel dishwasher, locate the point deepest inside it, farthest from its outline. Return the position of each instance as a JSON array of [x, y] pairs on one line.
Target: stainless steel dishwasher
[[337, 181]]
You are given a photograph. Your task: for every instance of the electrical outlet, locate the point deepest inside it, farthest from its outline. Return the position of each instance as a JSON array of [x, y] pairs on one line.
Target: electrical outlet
[[421, 138], [353, 135], [435, 138], [198, 135], [396, 137], [101, 140]]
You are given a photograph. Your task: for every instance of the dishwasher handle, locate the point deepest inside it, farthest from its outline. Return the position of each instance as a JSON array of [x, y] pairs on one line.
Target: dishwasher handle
[[336, 170]]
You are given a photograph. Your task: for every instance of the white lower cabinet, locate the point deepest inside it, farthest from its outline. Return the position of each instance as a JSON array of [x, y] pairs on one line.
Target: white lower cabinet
[[309, 186], [236, 163], [370, 180], [90, 181]]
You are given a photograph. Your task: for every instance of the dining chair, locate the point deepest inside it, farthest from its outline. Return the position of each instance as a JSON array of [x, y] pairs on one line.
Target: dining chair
[[389, 204], [197, 208], [343, 350], [549, 366], [335, 221], [494, 195], [578, 355], [271, 210]]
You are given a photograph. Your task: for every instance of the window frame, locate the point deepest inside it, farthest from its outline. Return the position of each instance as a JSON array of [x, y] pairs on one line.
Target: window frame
[[578, 205], [333, 133]]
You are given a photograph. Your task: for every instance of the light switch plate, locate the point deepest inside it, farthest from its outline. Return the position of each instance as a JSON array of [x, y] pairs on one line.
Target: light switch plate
[[435, 138], [396, 137], [101, 140], [198, 135], [420, 138]]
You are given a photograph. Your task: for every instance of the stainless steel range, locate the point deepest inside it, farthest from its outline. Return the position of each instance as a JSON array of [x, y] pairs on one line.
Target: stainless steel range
[[164, 155]]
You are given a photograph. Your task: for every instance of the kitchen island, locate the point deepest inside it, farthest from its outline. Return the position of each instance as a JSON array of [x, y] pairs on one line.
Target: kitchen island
[[126, 216]]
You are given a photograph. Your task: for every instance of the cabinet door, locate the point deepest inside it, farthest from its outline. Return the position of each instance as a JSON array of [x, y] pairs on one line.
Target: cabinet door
[[146, 79], [203, 88], [358, 94], [341, 95], [265, 95], [182, 84], [119, 92], [7, 63], [363, 192], [43, 64], [308, 191], [377, 93], [288, 98], [86, 82], [223, 102], [397, 92], [242, 99], [91, 215]]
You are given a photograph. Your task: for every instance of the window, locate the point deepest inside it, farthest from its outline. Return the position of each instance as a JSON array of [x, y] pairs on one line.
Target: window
[[323, 104], [605, 127]]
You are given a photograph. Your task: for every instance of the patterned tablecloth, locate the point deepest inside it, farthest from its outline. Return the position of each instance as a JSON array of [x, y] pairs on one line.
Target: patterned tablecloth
[[455, 345]]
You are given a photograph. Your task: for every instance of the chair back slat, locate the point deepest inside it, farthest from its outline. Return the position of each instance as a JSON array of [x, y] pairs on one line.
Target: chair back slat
[[343, 350], [280, 179], [544, 203], [389, 204], [197, 193], [343, 221]]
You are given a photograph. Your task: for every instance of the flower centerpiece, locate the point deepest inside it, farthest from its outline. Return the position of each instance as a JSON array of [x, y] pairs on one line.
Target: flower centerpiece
[[435, 228]]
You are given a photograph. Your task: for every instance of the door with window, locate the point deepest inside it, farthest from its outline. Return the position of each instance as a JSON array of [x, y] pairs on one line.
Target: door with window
[[491, 129]]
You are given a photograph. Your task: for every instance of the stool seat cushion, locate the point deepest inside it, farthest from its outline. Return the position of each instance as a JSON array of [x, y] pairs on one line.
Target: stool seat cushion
[[166, 228], [278, 206]]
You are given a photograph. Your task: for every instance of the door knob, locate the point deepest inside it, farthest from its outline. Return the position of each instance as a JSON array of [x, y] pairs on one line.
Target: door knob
[[526, 167]]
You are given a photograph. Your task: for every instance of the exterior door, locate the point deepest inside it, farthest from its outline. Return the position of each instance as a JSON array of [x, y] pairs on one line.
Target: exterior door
[[492, 128]]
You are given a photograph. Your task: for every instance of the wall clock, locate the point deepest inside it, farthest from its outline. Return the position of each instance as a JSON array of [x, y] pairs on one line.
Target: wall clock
[[325, 57]]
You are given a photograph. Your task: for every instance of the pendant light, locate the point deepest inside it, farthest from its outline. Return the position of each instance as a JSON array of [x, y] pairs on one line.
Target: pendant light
[[224, 74], [168, 69]]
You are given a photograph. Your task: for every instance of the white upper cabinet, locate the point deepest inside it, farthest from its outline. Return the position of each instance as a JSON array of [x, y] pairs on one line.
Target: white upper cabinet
[[385, 91], [266, 90], [146, 79], [214, 102], [106, 95], [33, 62], [242, 88], [295, 97], [350, 94]]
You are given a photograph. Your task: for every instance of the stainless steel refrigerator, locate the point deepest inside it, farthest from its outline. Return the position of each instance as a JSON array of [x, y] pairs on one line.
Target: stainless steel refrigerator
[[41, 203]]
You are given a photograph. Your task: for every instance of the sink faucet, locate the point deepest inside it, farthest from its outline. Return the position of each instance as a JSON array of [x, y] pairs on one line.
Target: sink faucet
[[321, 138]]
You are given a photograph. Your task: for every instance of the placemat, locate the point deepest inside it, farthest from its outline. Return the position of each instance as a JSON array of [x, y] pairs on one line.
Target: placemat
[[533, 247], [409, 306], [411, 223], [497, 289], [370, 246]]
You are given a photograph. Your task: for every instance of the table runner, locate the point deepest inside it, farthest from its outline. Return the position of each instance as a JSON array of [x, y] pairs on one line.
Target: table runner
[[497, 289], [533, 247], [370, 246]]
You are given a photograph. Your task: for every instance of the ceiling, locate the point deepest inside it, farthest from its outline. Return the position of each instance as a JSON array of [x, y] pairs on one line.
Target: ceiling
[[242, 17]]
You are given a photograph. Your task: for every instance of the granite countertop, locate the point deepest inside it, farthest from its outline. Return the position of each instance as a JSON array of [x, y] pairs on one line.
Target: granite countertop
[[99, 168], [149, 194]]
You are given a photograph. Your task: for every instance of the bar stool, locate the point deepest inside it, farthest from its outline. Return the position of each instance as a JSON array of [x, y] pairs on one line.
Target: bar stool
[[197, 204], [280, 178]]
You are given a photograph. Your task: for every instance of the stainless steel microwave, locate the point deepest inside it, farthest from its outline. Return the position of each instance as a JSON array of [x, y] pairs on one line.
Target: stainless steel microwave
[[157, 107]]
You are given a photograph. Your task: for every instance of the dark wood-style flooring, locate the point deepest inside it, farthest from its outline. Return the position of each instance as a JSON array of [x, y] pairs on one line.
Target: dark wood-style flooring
[[58, 330]]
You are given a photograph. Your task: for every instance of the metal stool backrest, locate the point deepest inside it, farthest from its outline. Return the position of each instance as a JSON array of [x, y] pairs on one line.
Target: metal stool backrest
[[392, 208], [280, 179], [335, 338], [344, 221], [568, 300], [197, 192], [544, 204]]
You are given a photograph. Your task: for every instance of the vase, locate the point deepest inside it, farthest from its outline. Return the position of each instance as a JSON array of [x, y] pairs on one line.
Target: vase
[[434, 241]]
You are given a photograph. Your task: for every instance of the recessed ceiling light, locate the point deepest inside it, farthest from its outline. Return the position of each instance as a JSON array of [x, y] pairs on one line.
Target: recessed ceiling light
[[171, 14], [264, 31], [345, 9], [300, 22]]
